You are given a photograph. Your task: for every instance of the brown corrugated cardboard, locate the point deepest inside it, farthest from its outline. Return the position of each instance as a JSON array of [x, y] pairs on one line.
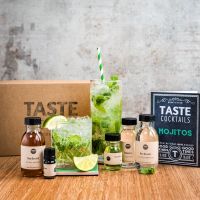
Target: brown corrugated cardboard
[[19, 99]]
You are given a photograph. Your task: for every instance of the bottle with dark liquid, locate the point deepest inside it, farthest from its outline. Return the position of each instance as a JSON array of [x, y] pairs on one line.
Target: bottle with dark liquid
[[32, 148]]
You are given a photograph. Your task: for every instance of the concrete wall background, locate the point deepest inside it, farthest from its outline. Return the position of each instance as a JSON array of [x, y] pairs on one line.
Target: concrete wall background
[[152, 45]]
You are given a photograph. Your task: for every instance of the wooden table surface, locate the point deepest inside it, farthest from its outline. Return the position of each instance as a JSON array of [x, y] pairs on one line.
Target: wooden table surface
[[170, 182]]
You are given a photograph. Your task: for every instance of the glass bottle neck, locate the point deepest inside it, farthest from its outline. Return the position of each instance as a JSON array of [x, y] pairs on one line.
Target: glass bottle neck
[[113, 143], [146, 124], [128, 127], [32, 128]]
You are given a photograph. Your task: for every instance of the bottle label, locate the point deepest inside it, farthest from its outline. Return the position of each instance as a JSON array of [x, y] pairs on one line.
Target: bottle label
[[128, 152], [146, 152], [32, 157], [113, 158], [50, 169]]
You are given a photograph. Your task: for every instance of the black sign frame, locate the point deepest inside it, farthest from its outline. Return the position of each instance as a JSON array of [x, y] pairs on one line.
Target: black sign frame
[[171, 139]]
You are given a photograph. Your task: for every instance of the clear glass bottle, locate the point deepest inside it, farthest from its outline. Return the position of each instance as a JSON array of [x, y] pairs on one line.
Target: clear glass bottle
[[128, 135], [146, 145], [113, 152], [32, 148]]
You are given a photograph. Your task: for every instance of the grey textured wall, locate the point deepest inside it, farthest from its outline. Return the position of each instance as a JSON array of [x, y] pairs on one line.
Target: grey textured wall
[[151, 44]]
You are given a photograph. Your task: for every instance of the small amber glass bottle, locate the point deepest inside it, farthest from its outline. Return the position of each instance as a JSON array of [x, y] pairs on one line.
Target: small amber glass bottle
[[49, 163], [32, 148]]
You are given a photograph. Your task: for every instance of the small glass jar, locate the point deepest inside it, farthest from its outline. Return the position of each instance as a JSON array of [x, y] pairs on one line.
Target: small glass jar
[[113, 152], [128, 135], [146, 145]]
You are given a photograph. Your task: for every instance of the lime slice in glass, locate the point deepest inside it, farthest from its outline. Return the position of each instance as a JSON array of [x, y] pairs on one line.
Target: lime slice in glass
[[52, 121], [86, 163]]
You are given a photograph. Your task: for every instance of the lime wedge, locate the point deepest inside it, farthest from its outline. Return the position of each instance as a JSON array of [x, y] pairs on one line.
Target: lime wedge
[[86, 163], [52, 122]]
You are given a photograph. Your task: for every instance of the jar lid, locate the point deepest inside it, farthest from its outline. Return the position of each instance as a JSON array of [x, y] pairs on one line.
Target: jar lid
[[129, 121], [49, 153], [112, 137], [32, 121], [146, 117]]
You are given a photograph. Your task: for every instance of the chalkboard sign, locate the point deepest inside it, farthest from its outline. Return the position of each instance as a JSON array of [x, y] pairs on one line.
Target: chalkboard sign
[[177, 124]]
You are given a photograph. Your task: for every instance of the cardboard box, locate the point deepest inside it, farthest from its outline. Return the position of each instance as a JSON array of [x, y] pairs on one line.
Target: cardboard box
[[19, 99], [177, 123]]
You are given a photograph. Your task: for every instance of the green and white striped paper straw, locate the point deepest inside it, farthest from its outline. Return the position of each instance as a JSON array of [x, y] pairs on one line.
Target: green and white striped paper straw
[[100, 65]]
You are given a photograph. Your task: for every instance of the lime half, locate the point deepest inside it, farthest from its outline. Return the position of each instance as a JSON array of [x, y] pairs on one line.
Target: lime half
[[86, 163], [51, 122]]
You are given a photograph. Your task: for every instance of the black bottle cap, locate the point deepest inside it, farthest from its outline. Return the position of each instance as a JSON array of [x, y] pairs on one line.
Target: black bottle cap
[[129, 121], [32, 121], [146, 117], [112, 137], [49, 154]]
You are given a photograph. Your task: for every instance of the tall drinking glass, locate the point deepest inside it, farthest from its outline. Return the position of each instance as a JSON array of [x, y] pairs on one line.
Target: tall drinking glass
[[106, 111]]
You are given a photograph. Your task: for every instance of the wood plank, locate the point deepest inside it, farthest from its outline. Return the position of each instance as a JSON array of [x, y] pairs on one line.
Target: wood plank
[[170, 182]]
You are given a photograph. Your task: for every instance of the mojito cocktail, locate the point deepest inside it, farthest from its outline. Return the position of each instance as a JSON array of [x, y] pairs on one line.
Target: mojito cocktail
[[106, 111], [72, 138]]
